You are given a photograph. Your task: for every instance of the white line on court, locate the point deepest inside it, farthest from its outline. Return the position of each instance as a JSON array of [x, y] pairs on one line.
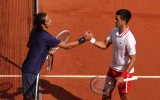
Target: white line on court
[[72, 76]]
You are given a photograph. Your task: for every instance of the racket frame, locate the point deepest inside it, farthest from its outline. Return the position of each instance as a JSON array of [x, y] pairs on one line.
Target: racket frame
[[49, 67], [104, 76]]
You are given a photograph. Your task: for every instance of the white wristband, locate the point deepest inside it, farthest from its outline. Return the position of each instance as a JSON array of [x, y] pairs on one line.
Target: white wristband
[[93, 40]]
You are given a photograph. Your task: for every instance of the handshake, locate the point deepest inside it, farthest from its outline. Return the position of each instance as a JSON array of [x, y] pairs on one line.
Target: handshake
[[88, 36]]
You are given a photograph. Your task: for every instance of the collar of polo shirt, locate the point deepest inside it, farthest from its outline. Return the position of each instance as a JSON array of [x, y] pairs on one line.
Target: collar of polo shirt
[[124, 33]]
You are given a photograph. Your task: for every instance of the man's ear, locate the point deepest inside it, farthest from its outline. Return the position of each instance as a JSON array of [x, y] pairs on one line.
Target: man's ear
[[123, 21], [43, 25]]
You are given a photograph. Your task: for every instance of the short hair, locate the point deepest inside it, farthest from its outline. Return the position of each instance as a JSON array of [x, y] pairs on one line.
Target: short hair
[[124, 14], [39, 19]]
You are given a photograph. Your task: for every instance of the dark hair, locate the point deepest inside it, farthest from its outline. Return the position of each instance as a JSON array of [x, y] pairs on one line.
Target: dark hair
[[124, 14], [39, 19]]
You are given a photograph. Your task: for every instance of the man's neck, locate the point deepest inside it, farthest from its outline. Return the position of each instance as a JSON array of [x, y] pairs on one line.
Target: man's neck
[[122, 29], [44, 28]]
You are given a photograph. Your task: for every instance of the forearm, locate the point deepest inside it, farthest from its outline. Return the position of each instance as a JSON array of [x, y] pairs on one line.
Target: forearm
[[100, 44], [130, 66], [71, 45]]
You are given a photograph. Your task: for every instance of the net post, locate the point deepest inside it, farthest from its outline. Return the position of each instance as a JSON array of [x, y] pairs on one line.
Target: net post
[[35, 7], [37, 86]]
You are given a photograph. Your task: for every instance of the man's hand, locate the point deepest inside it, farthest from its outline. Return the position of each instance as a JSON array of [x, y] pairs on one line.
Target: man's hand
[[120, 80], [88, 35], [51, 51]]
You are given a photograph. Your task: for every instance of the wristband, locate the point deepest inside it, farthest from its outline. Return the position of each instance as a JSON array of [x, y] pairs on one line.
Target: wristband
[[124, 74], [81, 40], [93, 40]]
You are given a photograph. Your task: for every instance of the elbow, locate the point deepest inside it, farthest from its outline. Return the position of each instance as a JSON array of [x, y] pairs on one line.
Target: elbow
[[104, 48], [133, 58], [66, 47]]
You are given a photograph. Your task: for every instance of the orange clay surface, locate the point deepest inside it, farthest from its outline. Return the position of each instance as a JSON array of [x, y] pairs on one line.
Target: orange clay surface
[[98, 16]]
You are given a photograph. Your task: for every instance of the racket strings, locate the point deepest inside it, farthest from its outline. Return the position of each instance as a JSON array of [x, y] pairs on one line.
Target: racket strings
[[109, 85], [63, 37], [103, 85], [97, 85]]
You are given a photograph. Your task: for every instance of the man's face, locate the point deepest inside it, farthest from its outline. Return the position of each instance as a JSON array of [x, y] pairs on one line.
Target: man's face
[[48, 22], [118, 21]]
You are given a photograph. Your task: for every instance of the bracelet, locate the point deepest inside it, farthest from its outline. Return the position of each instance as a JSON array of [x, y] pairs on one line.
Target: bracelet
[[124, 74], [81, 40], [93, 40]]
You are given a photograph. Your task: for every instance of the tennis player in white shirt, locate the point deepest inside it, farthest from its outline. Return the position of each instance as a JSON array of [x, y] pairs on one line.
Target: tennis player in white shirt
[[124, 53]]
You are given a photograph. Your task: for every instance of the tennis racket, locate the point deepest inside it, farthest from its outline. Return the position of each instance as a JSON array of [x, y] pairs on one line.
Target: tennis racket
[[104, 84], [63, 36]]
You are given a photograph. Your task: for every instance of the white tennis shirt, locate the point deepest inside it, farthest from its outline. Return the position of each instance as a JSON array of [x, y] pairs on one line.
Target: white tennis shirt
[[123, 46]]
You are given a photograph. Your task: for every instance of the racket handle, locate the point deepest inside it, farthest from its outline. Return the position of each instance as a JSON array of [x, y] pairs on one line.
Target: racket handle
[[48, 69], [131, 79], [47, 57]]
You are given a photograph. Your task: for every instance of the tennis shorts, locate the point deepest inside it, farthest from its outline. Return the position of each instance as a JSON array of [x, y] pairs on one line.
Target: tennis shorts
[[29, 85], [123, 87]]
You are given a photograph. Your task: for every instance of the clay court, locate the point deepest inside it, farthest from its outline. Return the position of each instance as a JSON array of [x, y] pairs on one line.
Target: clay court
[[78, 16]]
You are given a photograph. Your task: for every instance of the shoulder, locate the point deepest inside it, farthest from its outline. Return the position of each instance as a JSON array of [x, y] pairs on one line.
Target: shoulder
[[114, 30], [130, 37], [39, 32]]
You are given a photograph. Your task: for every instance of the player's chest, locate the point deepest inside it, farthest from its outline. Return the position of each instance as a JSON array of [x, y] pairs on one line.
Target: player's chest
[[119, 42]]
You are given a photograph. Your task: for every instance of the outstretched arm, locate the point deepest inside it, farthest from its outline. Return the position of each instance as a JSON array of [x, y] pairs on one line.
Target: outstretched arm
[[102, 44], [86, 37], [69, 45]]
